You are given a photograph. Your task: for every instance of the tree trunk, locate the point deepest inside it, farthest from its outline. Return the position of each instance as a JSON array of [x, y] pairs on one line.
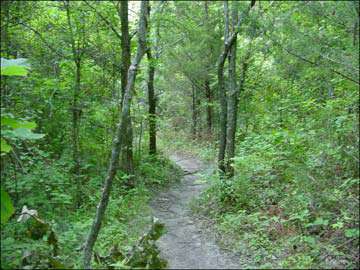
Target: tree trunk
[[232, 123], [194, 112], [125, 46], [127, 160], [228, 41], [209, 65], [208, 106], [76, 111], [5, 49], [152, 105], [124, 120], [232, 99], [151, 90], [222, 94]]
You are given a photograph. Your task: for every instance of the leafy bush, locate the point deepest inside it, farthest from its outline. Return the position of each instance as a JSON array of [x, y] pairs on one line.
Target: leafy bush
[[45, 180], [293, 202]]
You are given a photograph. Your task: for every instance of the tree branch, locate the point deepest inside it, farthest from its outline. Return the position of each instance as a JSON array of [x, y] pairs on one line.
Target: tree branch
[[104, 19], [42, 39]]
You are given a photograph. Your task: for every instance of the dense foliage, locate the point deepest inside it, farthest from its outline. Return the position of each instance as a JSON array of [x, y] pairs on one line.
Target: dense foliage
[[288, 195]]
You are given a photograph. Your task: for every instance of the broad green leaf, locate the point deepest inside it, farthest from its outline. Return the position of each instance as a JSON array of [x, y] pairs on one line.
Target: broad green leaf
[[5, 147], [352, 232], [14, 71], [15, 123], [14, 67], [321, 221], [25, 133], [7, 208]]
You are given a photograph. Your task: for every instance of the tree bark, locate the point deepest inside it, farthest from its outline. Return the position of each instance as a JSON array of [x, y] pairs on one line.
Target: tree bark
[[127, 160], [151, 91], [233, 121], [124, 119], [232, 99], [222, 93], [125, 46], [152, 104]]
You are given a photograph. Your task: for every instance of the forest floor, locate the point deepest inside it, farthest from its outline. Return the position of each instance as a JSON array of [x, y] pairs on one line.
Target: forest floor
[[187, 244]]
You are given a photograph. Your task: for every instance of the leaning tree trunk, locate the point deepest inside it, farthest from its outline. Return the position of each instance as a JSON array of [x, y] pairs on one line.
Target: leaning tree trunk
[[127, 163], [124, 119]]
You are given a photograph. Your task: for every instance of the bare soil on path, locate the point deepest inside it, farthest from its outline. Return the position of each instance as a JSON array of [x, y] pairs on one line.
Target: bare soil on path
[[185, 245]]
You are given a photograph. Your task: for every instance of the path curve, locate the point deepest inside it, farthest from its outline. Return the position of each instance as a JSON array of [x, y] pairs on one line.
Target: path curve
[[184, 245]]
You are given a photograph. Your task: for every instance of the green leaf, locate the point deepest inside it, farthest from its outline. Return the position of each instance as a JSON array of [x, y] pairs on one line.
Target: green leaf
[[14, 71], [7, 208], [15, 123], [25, 133], [5, 147], [310, 240], [321, 221], [352, 233], [14, 67]]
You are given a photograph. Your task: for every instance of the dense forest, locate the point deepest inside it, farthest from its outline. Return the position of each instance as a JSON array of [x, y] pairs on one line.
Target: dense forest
[[179, 134]]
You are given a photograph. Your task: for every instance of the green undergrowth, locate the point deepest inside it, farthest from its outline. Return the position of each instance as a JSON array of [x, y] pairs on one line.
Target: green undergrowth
[[127, 216], [180, 141], [293, 202], [291, 205]]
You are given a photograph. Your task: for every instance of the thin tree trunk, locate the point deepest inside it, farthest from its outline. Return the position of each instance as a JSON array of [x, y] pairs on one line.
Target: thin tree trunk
[[194, 112], [222, 93], [124, 120], [127, 160], [152, 104], [198, 112], [76, 111], [208, 106], [207, 88], [5, 49], [140, 138]]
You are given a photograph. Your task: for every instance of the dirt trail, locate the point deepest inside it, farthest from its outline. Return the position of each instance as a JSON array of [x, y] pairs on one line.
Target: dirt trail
[[184, 245]]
